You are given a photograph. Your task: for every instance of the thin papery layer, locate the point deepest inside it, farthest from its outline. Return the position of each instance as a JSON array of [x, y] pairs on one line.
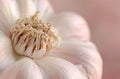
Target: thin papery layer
[[8, 14], [56, 68], [45, 9], [83, 54], [23, 69], [6, 52], [70, 25], [26, 8]]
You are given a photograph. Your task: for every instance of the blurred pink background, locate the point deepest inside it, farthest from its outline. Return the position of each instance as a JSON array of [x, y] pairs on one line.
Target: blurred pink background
[[103, 17]]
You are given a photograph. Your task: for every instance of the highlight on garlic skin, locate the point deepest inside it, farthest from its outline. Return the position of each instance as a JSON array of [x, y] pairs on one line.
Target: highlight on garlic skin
[[25, 32]]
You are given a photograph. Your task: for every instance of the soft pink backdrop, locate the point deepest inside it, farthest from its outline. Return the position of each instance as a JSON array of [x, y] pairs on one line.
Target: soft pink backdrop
[[103, 17]]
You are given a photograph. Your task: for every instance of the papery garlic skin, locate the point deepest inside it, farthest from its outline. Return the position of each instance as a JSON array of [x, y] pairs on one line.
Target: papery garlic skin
[[33, 38], [23, 69], [6, 57], [76, 58]]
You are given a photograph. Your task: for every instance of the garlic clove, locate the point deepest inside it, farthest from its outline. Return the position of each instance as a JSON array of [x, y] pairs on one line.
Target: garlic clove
[[23, 69], [83, 54], [6, 56], [71, 25], [56, 68]]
